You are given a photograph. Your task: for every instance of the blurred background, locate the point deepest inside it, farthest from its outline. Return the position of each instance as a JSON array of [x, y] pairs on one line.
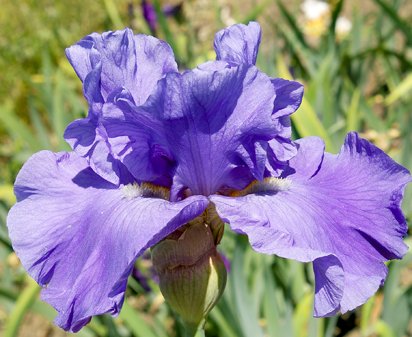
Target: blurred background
[[355, 61]]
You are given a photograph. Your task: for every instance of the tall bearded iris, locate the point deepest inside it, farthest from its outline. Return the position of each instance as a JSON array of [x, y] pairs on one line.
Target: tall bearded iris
[[162, 151]]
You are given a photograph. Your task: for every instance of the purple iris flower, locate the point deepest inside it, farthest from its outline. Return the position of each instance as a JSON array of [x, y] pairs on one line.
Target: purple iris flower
[[159, 147]]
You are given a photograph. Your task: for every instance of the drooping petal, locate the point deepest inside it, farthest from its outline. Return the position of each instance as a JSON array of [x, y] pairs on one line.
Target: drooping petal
[[79, 235], [340, 211], [238, 44]]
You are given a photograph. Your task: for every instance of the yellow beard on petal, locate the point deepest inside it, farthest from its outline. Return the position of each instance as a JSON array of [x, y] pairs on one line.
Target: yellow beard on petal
[[135, 190], [266, 185]]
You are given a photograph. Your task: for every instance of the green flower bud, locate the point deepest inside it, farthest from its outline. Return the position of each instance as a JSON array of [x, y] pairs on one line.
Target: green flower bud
[[191, 272]]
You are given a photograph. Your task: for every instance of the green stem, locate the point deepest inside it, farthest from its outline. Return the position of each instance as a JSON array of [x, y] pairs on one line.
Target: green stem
[[200, 333], [194, 330]]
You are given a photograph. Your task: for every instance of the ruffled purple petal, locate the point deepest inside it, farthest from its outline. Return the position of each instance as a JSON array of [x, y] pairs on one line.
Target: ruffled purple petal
[[81, 134], [289, 96], [288, 99], [212, 120], [79, 235], [111, 65], [238, 44], [88, 138], [340, 211], [137, 140], [123, 60]]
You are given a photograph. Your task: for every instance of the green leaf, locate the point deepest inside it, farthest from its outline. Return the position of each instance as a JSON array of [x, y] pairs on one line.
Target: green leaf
[[353, 115], [16, 127], [307, 124], [59, 99], [383, 329], [303, 55], [7, 194], [136, 323], [169, 36], [221, 321], [365, 318], [247, 317], [321, 90], [23, 304], [400, 91], [278, 314], [330, 326], [396, 310], [397, 20], [335, 14], [113, 14], [40, 128], [302, 315], [293, 25], [255, 12]]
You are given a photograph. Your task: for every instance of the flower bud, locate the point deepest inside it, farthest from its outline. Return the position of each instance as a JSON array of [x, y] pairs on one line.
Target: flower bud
[[191, 272]]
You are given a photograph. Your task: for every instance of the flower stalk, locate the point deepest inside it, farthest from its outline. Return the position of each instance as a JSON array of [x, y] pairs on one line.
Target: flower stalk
[[191, 272], [194, 332]]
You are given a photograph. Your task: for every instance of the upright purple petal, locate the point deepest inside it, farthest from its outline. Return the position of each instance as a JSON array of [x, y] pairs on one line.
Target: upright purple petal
[[133, 62], [238, 44], [81, 134], [110, 65], [219, 125], [288, 99], [88, 138], [214, 122], [79, 235], [136, 139], [340, 211], [289, 96]]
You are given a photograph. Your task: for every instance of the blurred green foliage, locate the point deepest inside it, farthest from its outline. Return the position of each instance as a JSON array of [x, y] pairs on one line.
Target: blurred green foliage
[[359, 81]]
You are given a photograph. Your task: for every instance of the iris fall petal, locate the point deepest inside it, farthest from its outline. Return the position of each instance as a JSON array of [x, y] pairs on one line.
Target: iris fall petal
[[85, 233], [340, 211]]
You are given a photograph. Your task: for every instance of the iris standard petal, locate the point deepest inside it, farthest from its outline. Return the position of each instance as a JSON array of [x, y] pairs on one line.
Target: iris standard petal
[[88, 138], [122, 60], [136, 139], [340, 211], [289, 96], [113, 64], [79, 235], [288, 99], [214, 120], [238, 44]]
